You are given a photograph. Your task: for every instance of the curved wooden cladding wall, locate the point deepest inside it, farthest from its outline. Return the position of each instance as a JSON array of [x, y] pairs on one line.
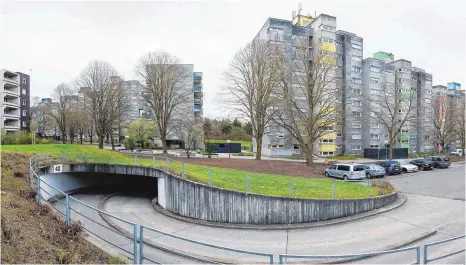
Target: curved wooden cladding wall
[[199, 201], [207, 203]]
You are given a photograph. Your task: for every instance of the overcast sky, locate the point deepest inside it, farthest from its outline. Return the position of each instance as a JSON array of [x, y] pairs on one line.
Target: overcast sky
[[57, 39]]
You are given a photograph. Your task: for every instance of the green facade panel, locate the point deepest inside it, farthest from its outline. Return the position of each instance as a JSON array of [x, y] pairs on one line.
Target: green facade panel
[[383, 55]]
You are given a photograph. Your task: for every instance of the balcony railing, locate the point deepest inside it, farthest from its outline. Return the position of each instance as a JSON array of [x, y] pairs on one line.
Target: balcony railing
[[197, 108], [11, 80], [11, 103], [197, 88], [10, 92]]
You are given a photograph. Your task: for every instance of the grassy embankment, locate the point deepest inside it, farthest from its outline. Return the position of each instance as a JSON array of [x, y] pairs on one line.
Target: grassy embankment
[[267, 184], [32, 233]]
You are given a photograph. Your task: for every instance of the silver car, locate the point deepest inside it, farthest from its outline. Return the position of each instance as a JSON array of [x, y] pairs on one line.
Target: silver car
[[346, 171], [374, 171]]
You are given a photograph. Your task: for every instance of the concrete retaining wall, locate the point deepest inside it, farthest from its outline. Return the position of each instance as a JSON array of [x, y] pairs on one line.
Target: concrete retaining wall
[[199, 201]]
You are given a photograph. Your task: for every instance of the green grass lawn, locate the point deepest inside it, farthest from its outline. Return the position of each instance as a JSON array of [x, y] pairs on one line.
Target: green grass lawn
[[231, 179]]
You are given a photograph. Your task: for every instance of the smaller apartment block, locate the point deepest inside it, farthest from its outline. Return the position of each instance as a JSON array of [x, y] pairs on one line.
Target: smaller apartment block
[[11, 103]]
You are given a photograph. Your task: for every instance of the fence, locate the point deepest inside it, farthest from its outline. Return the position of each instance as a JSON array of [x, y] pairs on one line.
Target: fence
[[282, 257], [73, 207], [426, 246]]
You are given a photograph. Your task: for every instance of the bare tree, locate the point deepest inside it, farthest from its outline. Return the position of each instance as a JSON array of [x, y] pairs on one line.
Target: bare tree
[[397, 112], [61, 108], [307, 105], [119, 111], [252, 76], [100, 96], [167, 89], [190, 132], [459, 105], [444, 121]]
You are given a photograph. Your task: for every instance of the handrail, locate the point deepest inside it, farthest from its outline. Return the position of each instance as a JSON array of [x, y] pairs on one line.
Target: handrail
[[427, 260]]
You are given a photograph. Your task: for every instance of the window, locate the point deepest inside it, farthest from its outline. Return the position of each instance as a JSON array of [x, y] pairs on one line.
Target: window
[[404, 141], [356, 81], [356, 69], [356, 136], [357, 92], [426, 137], [328, 128], [24, 80], [356, 58], [23, 91], [375, 92], [374, 80], [375, 125], [357, 114], [374, 146], [413, 136], [338, 134], [343, 168], [327, 154], [327, 28], [326, 140], [375, 69], [24, 113], [356, 125], [24, 102], [339, 146], [375, 136], [24, 124], [404, 131], [356, 147], [356, 103], [356, 46], [325, 40]]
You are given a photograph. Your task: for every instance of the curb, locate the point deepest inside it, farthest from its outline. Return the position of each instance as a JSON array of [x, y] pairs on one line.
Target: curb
[[101, 206], [401, 199]]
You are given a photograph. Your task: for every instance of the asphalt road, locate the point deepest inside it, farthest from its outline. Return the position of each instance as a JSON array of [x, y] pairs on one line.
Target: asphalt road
[[435, 201]]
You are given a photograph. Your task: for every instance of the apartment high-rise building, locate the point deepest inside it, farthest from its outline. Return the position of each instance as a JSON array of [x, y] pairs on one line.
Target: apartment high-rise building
[[304, 34], [379, 78], [25, 100], [349, 48], [11, 103]]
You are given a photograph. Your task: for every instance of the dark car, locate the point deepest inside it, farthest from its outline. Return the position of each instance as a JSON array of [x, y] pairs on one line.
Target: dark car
[[439, 161], [421, 163], [391, 167]]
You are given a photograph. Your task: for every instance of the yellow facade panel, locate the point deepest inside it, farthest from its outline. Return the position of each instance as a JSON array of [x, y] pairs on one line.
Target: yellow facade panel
[[327, 147], [330, 135], [330, 47]]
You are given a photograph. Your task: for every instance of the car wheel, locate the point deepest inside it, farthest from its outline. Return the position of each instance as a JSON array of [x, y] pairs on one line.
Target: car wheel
[[345, 177], [326, 174], [368, 175], [404, 170]]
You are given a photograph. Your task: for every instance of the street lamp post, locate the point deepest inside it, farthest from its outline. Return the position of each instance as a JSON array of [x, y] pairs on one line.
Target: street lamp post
[[228, 141], [386, 150]]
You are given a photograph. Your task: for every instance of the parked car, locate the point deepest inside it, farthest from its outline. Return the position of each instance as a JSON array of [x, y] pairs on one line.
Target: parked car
[[421, 163], [392, 167], [346, 171], [406, 167], [374, 171], [457, 152], [439, 161]]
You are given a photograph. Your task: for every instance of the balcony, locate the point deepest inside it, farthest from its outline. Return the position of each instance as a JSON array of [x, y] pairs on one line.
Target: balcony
[[275, 36], [11, 112], [11, 125], [198, 101], [11, 77], [197, 77], [12, 90], [197, 88], [197, 107]]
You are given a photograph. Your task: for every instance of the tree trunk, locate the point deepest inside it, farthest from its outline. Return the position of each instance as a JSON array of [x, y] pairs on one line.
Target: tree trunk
[[101, 141], [308, 150], [390, 150], [108, 142], [164, 144], [81, 138], [259, 148], [113, 142], [63, 138], [90, 137]]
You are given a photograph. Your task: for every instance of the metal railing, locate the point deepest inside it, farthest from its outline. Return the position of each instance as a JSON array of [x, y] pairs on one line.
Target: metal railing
[[282, 257], [426, 246]]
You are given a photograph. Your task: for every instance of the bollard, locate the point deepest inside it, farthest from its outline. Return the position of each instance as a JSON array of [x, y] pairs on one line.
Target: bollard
[[209, 174], [334, 188], [35, 162], [67, 211], [248, 183], [182, 169], [141, 244]]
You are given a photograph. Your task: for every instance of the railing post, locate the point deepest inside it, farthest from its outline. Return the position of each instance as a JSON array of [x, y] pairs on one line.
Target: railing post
[[136, 159], [290, 187], [64, 156], [86, 159], [248, 183], [154, 164], [369, 182], [209, 174], [30, 170], [425, 254], [67, 210], [135, 244], [35, 162], [280, 259], [182, 169], [38, 188], [271, 259], [334, 189], [46, 157], [166, 164], [141, 244]]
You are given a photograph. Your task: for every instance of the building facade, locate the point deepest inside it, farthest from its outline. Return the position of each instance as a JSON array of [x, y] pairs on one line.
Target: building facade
[[349, 48], [25, 100], [11, 103]]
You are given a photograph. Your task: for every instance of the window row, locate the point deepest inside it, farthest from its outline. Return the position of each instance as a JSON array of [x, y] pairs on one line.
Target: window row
[[327, 153], [325, 40], [327, 28]]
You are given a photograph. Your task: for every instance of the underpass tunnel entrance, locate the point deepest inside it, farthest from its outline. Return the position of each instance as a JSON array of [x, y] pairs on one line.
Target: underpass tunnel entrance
[[76, 182]]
